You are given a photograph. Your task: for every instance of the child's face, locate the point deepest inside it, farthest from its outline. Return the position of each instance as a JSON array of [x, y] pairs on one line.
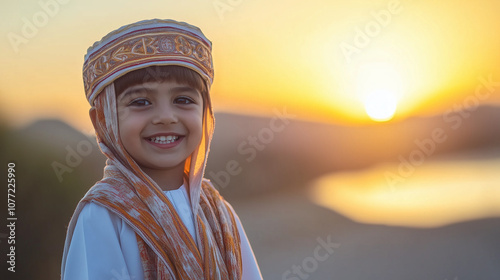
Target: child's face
[[160, 123]]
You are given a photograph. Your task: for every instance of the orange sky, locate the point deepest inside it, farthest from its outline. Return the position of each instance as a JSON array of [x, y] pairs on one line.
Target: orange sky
[[320, 59]]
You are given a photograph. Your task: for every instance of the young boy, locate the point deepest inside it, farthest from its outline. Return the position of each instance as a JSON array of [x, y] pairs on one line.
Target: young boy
[[153, 216]]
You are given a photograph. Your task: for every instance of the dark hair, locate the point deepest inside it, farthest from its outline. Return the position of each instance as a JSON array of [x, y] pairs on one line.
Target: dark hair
[[167, 73]]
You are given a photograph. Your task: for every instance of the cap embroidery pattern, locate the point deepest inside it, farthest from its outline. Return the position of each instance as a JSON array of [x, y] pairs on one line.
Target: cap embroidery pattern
[[144, 47]]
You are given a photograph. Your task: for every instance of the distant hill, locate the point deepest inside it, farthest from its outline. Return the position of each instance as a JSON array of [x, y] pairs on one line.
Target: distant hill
[[271, 154], [304, 150], [54, 132], [67, 146]]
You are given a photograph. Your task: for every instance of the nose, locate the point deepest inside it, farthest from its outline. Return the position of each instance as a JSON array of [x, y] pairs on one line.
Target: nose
[[165, 114]]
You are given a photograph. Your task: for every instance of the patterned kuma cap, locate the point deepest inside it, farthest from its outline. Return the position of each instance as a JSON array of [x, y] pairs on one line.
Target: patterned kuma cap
[[143, 44]]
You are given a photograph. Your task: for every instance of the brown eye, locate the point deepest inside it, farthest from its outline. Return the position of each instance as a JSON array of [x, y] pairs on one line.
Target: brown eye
[[183, 100], [139, 102]]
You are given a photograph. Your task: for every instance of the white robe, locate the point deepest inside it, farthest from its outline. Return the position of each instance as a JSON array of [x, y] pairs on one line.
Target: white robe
[[105, 247]]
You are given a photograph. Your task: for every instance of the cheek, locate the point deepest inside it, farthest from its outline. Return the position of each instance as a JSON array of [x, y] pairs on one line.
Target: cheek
[[122, 122], [200, 124], [196, 126], [128, 126]]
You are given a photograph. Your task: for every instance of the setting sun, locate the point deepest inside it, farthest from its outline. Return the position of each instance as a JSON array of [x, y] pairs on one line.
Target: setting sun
[[380, 105], [379, 87]]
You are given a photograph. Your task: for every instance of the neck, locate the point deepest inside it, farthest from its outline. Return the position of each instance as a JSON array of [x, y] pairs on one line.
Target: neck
[[167, 179]]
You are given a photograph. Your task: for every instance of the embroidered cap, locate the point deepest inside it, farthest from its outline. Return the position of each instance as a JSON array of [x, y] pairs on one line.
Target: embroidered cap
[[142, 44]]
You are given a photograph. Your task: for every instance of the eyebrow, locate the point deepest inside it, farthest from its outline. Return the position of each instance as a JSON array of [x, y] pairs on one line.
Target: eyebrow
[[133, 90], [184, 89]]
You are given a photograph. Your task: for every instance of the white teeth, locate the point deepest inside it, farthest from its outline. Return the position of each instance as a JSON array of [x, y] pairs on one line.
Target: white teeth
[[164, 139]]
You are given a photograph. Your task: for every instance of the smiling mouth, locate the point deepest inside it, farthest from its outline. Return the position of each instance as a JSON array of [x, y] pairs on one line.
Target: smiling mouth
[[164, 139]]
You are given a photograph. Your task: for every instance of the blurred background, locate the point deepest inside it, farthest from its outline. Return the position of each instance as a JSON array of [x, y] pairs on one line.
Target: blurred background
[[366, 134]]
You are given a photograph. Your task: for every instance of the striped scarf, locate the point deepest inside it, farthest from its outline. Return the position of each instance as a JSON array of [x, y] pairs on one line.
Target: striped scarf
[[167, 249]]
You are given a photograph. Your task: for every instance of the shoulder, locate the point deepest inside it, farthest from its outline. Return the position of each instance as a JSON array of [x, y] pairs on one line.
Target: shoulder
[[100, 246], [98, 228], [210, 191], [212, 194], [208, 187], [93, 211], [96, 217]]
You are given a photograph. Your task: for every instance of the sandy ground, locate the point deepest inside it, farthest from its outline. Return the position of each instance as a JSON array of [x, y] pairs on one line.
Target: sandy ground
[[288, 234]]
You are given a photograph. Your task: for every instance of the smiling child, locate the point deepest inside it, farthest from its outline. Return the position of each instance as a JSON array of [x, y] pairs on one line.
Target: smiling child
[[153, 215]]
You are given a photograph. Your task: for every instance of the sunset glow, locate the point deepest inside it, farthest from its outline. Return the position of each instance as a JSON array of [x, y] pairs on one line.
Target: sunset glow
[[332, 65]]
